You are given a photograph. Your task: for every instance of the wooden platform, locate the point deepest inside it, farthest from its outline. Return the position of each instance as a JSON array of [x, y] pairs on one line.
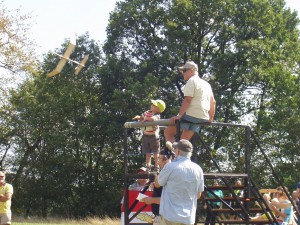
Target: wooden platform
[[244, 222]]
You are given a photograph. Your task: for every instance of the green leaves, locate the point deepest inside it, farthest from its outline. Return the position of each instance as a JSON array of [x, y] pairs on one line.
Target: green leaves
[[248, 50], [16, 48], [71, 127]]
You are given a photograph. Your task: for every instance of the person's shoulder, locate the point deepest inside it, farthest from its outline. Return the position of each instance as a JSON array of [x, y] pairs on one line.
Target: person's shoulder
[[133, 185], [196, 165], [172, 166], [201, 81], [8, 187], [205, 82]]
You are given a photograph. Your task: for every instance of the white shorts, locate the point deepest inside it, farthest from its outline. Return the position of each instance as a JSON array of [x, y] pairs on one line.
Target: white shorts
[[5, 218]]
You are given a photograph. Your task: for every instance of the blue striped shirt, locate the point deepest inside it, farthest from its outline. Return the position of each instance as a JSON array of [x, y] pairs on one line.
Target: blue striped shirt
[[182, 179]]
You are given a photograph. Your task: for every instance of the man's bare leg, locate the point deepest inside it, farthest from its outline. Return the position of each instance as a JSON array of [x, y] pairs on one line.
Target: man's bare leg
[[187, 134], [169, 134]]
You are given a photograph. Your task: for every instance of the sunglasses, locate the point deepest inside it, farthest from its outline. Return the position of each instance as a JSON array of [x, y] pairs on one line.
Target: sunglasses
[[184, 70]]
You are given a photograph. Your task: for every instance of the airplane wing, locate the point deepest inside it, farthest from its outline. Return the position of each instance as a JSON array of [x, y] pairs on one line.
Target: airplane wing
[[64, 58], [53, 73], [69, 50], [62, 62], [81, 65]]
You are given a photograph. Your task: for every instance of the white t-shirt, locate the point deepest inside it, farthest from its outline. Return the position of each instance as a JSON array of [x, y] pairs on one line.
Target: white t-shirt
[[201, 92]]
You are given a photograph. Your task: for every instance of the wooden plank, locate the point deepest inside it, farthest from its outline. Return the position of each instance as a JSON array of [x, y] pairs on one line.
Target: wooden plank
[[244, 222], [238, 209], [268, 190], [232, 198], [225, 187]]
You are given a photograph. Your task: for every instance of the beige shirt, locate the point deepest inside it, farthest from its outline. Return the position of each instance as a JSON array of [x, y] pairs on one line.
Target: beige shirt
[[201, 92]]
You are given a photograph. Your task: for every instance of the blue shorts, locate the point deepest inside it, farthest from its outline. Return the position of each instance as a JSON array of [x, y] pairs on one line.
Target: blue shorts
[[191, 123]]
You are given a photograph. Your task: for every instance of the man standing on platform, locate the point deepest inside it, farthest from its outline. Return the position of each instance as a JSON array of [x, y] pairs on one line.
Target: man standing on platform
[[182, 181]]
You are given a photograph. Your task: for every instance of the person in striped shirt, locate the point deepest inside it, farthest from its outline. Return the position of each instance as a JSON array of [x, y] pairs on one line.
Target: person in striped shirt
[[150, 137]]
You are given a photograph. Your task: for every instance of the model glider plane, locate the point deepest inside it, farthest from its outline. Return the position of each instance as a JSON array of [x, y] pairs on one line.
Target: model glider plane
[[66, 57]]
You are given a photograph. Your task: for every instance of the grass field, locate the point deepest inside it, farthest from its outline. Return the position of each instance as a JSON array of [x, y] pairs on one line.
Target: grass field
[[88, 221]]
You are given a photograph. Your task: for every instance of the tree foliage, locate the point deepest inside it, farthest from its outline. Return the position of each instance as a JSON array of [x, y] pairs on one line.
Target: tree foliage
[[16, 48], [247, 50], [65, 147], [67, 131]]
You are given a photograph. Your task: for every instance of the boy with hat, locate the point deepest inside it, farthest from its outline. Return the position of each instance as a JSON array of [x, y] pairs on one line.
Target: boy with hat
[[150, 137]]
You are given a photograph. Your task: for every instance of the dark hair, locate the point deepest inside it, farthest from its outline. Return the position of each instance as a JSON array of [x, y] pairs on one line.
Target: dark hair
[[169, 154], [282, 191]]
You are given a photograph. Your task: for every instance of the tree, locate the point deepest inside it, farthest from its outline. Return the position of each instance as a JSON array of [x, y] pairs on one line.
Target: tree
[[65, 141], [16, 48], [247, 49], [68, 131], [16, 55]]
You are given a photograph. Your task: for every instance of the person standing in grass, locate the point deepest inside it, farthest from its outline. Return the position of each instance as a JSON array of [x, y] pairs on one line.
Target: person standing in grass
[[6, 192]]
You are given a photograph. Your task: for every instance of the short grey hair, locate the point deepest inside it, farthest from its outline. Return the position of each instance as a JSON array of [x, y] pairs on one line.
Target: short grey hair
[[186, 154]]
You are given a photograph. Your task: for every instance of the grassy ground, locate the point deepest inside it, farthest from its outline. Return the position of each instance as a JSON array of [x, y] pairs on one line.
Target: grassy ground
[[88, 221]]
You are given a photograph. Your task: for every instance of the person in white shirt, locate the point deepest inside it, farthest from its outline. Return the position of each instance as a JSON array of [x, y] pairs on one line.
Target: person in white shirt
[[198, 105]]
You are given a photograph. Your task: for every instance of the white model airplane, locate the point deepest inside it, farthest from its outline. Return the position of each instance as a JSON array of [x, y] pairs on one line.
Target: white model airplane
[[66, 57], [63, 60]]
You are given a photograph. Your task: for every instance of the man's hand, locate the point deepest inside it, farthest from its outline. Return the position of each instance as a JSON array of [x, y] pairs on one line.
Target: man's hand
[[152, 177], [207, 123], [148, 200], [174, 118]]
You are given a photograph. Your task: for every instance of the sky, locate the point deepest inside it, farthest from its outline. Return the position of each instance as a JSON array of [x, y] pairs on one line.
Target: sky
[[53, 21], [57, 20]]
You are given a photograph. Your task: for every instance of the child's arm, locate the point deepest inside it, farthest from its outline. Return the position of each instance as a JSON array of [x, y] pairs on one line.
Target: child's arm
[[138, 118], [152, 200], [281, 205], [151, 118], [277, 212]]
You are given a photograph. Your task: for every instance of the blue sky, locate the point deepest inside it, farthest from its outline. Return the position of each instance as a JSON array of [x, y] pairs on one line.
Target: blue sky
[[56, 20], [53, 21]]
